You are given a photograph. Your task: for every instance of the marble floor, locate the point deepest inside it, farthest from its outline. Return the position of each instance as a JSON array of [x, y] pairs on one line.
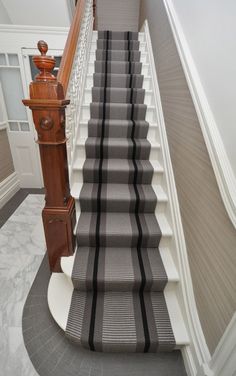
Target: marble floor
[[22, 248]]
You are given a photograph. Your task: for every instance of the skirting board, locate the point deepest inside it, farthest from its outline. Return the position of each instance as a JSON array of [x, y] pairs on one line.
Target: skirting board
[[8, 187], [222, 168]]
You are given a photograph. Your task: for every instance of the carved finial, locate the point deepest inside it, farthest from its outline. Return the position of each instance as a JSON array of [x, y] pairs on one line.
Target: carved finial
[[45, 64], [42, 47]]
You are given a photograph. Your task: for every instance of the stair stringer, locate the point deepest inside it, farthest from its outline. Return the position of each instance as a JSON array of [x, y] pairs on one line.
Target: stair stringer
[[196, 355]]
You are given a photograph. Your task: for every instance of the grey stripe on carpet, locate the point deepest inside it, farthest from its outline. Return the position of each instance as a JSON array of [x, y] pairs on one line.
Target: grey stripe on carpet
[[118, 304]]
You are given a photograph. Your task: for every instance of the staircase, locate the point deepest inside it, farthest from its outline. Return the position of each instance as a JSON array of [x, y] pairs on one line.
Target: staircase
[[118, 292]]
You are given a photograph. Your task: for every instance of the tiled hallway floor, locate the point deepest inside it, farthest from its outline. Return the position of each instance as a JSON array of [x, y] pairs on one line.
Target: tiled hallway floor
[[21, 253]]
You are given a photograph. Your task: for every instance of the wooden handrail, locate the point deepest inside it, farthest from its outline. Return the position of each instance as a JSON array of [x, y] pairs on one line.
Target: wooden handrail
[[69, 51]]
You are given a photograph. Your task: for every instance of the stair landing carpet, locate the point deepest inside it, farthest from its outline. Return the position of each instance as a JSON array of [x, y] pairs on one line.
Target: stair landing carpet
[[118, 303]]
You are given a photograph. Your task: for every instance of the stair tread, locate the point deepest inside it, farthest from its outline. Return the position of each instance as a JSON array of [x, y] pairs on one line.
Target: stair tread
[[117, 327], [60, 292], [118, 80], [117, 197], [117, 44], [123, 67], [158, 190], [118, 110], [118, 35], [67, 263], [116, 147], [118, 55], [118, 269], [118, 229], [118, 95], [119, 171], [115, 163]]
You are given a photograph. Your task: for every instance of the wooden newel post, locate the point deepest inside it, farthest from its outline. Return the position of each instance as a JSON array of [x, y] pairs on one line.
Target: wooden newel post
[[48, 104]]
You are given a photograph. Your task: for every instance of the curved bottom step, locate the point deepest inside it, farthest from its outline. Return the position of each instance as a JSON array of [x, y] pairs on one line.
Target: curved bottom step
[[60, 292]]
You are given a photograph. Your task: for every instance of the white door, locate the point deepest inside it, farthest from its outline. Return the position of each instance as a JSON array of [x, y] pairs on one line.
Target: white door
[[21, 133]]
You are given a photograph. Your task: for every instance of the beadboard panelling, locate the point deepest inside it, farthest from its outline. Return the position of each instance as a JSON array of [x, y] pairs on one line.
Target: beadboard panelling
[[209, 234], [122, 15], [6, 163]]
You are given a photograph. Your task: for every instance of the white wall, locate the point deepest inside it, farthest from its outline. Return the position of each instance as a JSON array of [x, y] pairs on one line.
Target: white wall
[[35, 12], [4, 17], [210, 29]]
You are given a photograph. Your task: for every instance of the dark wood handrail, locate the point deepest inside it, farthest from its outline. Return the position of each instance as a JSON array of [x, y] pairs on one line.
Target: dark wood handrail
[[69, 51]]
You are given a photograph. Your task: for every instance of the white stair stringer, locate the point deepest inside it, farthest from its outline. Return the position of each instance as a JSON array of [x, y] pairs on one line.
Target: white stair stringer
[[60, 284], [195, 353]]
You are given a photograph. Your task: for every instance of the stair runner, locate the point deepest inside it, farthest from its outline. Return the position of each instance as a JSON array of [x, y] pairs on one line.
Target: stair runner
[[118, 303]]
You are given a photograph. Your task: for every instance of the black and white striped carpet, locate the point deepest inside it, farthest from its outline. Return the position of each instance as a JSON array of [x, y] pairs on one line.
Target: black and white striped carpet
[[118, 303]]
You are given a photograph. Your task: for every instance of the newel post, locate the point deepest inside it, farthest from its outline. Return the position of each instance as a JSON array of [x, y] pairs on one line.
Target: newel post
[[48, 104]]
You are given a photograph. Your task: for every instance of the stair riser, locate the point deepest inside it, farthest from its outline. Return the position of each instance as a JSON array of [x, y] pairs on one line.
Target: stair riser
[[141, 37], [81, 153], [142, 47], [145, 69], [116, 112], [116, 96], [116, 68], [112, 152], [158, 207], [147, 85], [156, 179], [89, 176], [118, 241], [118, 286], [119, 206], [148, 99], [92, 58], [149, 116], [151, 133]]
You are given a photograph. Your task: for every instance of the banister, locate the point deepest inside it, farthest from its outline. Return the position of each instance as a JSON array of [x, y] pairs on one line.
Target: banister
[[70, 47]]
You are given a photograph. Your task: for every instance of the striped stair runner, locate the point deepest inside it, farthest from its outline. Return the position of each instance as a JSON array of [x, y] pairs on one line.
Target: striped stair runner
[[118, 303]]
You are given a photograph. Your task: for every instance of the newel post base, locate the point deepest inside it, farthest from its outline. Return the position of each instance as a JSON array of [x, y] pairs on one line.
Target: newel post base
[[59, 225], [48, 104]]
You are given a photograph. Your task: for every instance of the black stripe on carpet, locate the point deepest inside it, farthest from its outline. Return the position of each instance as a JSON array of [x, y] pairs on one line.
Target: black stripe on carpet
[[143, 279], [95, 271]]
